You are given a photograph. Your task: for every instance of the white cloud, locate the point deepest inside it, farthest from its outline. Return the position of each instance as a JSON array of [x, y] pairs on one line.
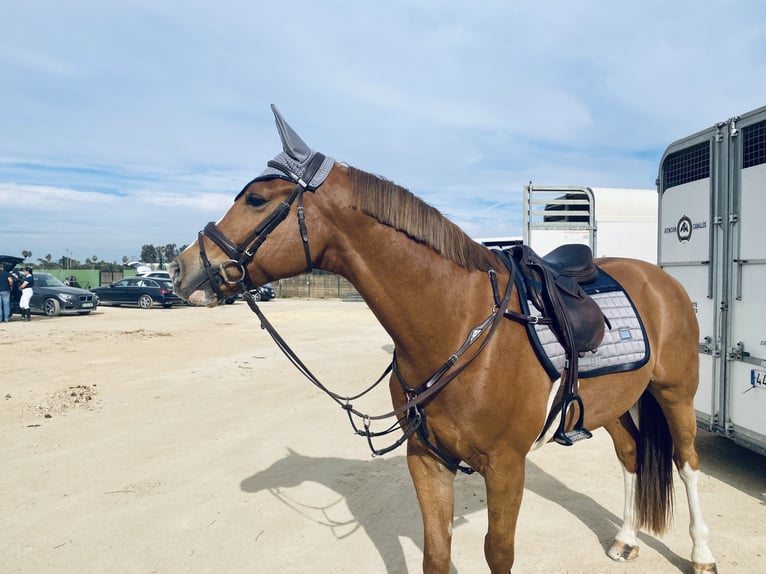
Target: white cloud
[[150, 116], [49, 199], [54, 220]]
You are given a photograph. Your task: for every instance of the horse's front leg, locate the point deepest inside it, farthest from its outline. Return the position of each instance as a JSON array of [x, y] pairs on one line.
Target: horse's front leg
[[505, 486], [435, 488]]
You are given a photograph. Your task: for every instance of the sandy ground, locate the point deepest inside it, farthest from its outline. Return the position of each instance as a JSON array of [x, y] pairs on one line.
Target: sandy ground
[[181, 440]]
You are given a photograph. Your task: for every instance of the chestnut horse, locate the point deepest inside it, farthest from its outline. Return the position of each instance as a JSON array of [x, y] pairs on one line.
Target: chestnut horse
[[491, 414]]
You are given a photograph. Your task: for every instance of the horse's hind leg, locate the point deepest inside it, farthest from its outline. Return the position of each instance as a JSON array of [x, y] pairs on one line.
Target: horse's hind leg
[[683, 427], [623, 432], [702, 556]]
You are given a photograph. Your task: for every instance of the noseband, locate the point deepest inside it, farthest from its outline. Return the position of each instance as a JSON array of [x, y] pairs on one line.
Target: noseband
[[233, 271]]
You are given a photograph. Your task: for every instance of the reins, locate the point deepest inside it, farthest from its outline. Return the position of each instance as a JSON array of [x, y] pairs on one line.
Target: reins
[[233, 272], [417, 396]]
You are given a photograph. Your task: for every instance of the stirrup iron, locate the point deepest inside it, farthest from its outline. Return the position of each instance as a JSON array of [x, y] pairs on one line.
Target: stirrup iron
[[579, 432]]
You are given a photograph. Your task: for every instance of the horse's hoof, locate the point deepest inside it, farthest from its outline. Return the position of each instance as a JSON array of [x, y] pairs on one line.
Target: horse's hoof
[[705, 568], [622, 552]]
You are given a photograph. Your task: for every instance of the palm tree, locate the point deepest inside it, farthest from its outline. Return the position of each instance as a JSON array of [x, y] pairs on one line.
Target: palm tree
[[26, 254]]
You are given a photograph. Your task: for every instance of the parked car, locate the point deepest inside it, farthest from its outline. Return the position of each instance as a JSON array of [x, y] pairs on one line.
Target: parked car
[[264, 292], [164, 275], [139, 266], [50, 296], [142, 291]]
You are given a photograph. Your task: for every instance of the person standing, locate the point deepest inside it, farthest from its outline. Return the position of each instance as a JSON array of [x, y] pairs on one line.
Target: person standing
[[6, 286], [27, 282]]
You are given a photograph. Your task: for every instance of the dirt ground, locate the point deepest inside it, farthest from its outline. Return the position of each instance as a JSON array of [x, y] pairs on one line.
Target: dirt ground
[[181, 440]]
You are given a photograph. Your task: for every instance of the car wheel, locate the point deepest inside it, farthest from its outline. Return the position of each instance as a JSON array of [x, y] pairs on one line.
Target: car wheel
[[145, 301], [51, 307], [257, 295]]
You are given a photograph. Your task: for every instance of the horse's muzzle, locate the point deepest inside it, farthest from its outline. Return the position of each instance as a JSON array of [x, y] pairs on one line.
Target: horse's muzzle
[[192, 285]]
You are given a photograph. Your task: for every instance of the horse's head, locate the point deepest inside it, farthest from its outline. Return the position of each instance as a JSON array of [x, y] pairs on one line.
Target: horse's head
[[256, 241], [288, 472]]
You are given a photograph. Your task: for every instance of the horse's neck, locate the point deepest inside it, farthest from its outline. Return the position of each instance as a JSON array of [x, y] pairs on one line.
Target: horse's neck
[[425, 302]]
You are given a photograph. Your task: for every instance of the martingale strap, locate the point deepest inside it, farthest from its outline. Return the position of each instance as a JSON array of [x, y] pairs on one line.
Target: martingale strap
[[413, 409]]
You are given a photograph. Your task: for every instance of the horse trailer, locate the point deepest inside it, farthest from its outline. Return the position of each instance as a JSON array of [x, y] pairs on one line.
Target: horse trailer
[[712, 208], [612, 221]]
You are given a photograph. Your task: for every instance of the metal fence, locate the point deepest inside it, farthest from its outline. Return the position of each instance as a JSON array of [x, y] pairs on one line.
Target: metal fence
[[315, 286]]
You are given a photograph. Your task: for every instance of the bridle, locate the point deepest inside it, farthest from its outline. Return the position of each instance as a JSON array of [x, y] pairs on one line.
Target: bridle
[[232, 271]]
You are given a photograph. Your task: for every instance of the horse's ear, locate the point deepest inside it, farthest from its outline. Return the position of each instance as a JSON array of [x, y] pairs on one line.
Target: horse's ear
[[292, 143]]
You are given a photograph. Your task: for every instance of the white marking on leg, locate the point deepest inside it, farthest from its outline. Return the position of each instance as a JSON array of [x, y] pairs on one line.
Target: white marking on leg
[[633, 412], [701, 553], [629, 530]]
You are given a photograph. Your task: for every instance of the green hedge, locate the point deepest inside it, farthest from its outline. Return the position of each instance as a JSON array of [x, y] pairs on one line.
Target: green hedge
[[85, 278]]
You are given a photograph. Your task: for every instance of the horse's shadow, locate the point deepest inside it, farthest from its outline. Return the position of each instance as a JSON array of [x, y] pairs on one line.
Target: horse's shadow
[[358, 483]]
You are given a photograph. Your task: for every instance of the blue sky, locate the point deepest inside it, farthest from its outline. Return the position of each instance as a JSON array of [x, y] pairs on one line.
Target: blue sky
[[133, 122]]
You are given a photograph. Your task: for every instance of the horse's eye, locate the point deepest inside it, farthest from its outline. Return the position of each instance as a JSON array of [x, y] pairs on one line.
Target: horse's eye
[[255, 201]]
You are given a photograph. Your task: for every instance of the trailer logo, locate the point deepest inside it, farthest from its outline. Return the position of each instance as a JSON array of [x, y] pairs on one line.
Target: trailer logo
[[684, 229]]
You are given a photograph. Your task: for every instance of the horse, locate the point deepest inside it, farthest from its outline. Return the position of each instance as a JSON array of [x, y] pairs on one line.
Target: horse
[[485, 408]]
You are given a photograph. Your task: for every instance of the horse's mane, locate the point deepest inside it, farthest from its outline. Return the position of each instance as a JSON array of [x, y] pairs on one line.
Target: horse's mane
[[396, 207]]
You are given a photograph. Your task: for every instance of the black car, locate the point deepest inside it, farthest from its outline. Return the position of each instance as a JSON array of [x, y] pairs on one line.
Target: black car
[[50, 296], [142, 291], [261, 293]]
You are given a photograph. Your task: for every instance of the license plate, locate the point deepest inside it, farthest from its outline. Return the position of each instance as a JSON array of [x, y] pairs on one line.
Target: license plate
[[87, 305], [757, 378]]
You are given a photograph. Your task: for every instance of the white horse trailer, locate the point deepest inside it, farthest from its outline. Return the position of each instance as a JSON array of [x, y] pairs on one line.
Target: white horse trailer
[[614, 222], [712, 208]]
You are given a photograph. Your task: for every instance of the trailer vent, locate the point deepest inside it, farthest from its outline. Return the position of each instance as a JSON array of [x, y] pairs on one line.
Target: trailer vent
[[573, 207], [687, 165], [754, 145]]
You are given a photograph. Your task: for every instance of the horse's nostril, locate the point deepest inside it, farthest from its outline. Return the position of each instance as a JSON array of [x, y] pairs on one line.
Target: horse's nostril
[[174, 269]]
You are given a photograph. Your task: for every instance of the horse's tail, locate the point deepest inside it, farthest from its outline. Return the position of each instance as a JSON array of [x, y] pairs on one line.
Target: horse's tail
[[654, 472]]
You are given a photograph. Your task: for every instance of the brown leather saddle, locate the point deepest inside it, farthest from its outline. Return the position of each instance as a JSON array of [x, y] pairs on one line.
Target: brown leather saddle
[[553, 285]]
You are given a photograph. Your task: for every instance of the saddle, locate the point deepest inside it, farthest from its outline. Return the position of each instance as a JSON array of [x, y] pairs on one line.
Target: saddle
[[553, 285]]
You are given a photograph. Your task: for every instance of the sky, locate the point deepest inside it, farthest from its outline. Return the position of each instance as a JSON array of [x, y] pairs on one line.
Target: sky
[[136, 122]]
